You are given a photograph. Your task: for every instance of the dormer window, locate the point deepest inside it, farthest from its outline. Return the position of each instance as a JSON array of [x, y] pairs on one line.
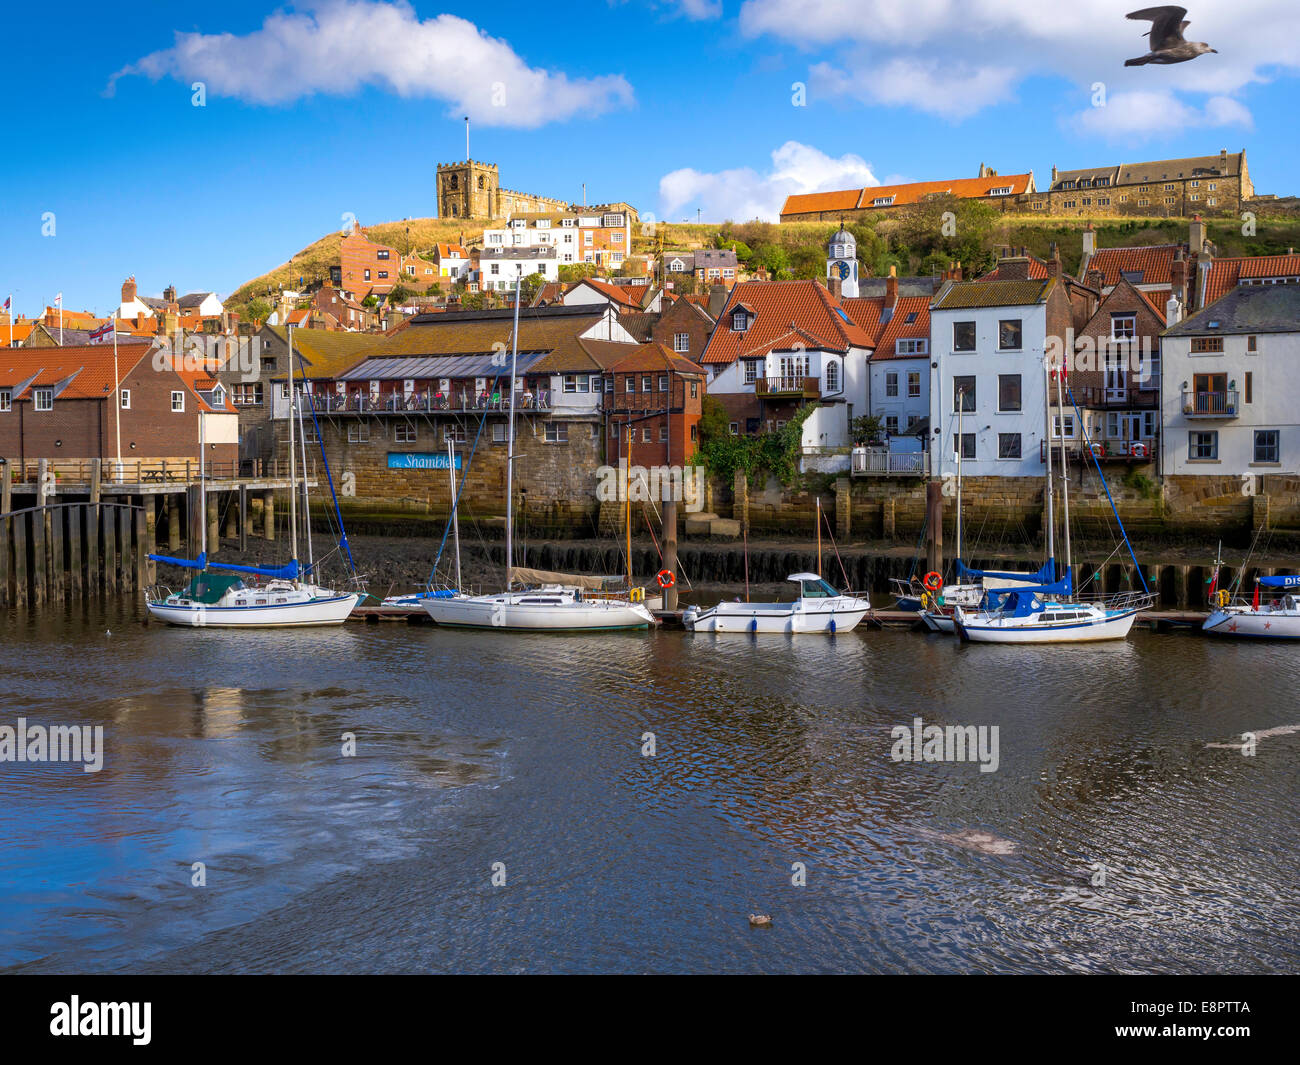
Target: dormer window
[[739, 321], [1001, 190], [882, 201]]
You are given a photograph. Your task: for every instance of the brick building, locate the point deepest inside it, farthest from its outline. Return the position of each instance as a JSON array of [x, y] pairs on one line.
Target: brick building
[[59, 404], [365, 266], [1214, 185], [658, 395]]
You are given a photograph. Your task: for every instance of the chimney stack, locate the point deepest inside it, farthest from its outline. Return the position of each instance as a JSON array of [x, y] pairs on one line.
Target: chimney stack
[[835, 286], [1096, 279], [1089, 240], [1015, 268], [1054, 261], [1197, 236], [128, 289], [891, 287], [1173, 311]]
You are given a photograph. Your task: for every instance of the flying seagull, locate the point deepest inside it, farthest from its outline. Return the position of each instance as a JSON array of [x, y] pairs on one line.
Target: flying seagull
[[1167, 43]]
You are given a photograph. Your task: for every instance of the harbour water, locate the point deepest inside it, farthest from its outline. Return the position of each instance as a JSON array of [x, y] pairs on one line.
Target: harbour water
[[1114, 836]]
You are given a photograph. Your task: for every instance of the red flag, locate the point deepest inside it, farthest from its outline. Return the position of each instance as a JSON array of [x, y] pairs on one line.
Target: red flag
[[1254, 603], [1214, 582]]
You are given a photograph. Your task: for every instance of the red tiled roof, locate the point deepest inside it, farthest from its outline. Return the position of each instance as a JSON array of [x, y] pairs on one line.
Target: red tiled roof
[[1157, 301], [87, 368], [1154, 263], [654, 356], [866, 312], [913, 192], [1224, 274], [899, 328], [779, 308], [621, 294], [1037, 271]]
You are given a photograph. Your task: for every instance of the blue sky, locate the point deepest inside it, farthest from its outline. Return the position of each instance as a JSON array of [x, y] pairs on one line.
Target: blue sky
[[675, 106]]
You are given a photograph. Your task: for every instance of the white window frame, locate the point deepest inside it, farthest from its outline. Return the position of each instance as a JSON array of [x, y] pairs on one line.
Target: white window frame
[[124, 399], [178, 397], [6, 400]]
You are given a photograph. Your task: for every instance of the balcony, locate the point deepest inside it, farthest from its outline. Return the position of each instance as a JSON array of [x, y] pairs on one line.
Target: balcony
[[1217, 404], [1113, 450], [788, 387], [1122, 397], [877, 462], [455, 402]]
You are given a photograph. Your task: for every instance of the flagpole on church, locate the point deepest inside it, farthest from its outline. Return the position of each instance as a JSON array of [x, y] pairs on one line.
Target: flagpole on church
[[467, 138]]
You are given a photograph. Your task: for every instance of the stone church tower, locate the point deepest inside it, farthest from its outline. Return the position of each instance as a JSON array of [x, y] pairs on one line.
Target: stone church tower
[[468, 190]]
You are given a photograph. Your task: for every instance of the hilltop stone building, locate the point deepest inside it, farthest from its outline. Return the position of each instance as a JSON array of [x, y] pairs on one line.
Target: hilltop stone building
[[1208, 185], [472, 190]]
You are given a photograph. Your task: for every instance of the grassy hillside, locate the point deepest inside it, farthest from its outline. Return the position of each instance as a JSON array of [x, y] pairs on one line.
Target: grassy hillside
[[908, 243]]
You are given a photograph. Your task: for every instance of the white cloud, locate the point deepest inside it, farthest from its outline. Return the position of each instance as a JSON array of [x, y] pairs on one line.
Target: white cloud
[[341, 46], [744, 193], [1129, 114], [697, 10], [955, 57]]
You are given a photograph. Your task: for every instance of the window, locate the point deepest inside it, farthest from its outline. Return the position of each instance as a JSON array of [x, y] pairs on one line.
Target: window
[[740, 321], [647, 383], [963, 336], [663, 382], [404, 433], [733, 428], [682, 342], [645, 434], [916, 346], [178, 402], [44, 398], [891, 384], [914, 385], [383, 273], [577, 382], [1123, 326], [1008, 445], [1266, 445], [963, 394], [358, 433], [1203, 447], [595, 383], [1009, 397], [6, 400], [663, 434], [629, 383], [1069, 427], [454, 433], [832, 375], [367, 272], [383, 254], [891, 424], [1009, 331], [1207, 345], [125, 399], [557, 432], [1250, 387], [751, 371], [695, 390], [1252, 343], [609, 383], [967, 445], [499, 432]]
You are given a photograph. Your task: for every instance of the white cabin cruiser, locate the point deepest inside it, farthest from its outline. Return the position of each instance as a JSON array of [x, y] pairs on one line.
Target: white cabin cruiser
[[819, 608]]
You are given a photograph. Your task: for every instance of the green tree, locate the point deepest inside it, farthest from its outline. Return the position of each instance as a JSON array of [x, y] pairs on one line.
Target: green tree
[[865, 428], [531, 285], [714, 422], [571, 272], [399, 294], [370, 301], [257, 309]]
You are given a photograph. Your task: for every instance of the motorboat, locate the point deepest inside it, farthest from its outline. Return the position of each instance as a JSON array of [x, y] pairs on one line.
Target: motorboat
[[819, 608]]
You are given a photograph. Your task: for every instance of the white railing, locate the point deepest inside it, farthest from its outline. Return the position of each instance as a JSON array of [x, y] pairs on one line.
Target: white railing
[[877, 462]]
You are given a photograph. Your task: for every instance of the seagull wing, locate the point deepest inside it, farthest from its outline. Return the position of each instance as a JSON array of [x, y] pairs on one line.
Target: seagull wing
[[1166, 25]]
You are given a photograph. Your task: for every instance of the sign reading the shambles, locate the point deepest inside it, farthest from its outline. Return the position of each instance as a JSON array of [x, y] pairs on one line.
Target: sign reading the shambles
[[418, 460]]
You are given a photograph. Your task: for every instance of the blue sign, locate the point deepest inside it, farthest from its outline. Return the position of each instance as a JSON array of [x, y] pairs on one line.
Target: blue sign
[[418, 460]]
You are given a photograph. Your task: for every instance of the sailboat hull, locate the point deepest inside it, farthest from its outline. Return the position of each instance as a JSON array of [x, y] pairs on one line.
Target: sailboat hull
[[1264, 623], [332, 610], [537, 612], [1108, 625]]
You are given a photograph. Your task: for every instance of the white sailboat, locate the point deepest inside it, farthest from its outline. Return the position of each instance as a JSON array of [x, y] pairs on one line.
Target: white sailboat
[[1276, 619], [217, 596], [1050, 612], [562, 603]]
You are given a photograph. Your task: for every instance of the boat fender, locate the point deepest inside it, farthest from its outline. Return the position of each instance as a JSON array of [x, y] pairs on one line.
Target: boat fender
[[832, 626], [753, 625]]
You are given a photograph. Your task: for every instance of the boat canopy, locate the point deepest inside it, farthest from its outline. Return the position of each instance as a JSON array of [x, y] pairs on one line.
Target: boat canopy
[[524, 576], [288, 573], [1278, 582], [208, 588], [1046, 575], [1016, 601]]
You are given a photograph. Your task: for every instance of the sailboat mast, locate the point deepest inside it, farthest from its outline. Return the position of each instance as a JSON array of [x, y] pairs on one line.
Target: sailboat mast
[[1051, 510], [819, 536], [455, 523], [1065, 473], [627, 502], [961, 403], [203, 485], [510, 445], [293, 471], [306, 498]]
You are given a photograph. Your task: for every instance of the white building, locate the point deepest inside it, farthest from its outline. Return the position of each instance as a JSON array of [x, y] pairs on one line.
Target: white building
[[1230, 398], [582, 235], [900, 371], [500, 267], [987, 345], [842, 263]]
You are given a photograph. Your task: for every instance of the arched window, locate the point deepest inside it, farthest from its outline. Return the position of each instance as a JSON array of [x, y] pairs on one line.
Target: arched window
[[480, 181], [832, 376], [455, 181]]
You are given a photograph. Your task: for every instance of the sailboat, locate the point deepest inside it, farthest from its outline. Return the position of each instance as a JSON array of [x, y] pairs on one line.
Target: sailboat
[[217, 596], [1049, 611], [819, 608], [559, 602], [1275, 618]]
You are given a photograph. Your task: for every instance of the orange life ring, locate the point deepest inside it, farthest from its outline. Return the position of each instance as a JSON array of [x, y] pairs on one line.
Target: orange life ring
[[666, 578], [1097, 449], [933, 581]]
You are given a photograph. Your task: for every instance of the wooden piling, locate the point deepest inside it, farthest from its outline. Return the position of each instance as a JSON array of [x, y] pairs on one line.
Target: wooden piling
[[142, 538], [18, 535], [40, 591], [150, 539], [243, 518], [214, 533], [268, 515], [55, 518], [670, 550], [125, 571], [173, 522], [934, 526], [108, 550], [76, 574]]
